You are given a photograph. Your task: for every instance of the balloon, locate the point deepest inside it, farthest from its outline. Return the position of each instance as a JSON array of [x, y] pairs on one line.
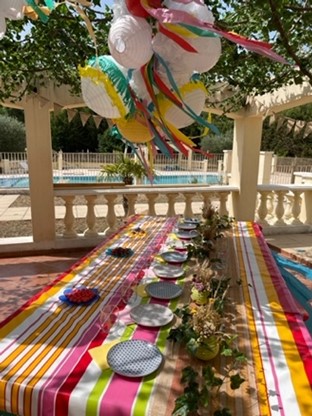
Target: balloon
[[105, 89], [193, 95], [130, 41]]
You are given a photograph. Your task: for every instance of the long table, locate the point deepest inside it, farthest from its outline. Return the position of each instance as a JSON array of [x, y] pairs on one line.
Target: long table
[[48, 366]]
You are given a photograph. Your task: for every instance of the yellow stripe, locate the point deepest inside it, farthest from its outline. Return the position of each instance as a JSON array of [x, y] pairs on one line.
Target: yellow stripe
[[97, 278], [258, 367], [180, 30], [292, 356]]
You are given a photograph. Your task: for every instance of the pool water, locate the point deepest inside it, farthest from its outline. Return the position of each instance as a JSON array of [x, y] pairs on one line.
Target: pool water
[[211, 179]]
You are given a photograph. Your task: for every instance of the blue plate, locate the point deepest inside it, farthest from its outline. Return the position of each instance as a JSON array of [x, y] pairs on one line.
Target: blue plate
[[65, 299]]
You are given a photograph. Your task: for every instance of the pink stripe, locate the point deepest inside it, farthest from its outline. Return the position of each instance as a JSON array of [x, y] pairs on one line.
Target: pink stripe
[[52, 387], [111, 403], [259, 310], [282, 291]]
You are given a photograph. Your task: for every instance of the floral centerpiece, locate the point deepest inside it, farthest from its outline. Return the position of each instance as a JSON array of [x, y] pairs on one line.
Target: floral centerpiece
[[211, 229], [207, 285]]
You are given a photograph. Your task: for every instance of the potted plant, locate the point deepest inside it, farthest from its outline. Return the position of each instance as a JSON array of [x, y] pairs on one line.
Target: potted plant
[[126, 169], [208, 285]]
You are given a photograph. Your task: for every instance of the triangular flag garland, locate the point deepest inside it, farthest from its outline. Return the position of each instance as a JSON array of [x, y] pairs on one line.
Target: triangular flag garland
[[291, 125]]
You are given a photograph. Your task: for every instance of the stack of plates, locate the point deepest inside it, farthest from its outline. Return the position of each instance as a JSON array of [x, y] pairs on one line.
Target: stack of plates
[[151, 314], [168, 271], [174, 256]]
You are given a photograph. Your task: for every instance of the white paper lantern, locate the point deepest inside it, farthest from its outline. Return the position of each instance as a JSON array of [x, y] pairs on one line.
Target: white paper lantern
[[12, 9], [129, 41], [194, 96], [137, 84], [208, 53], [105, 89], [200, 11], [2, 27]]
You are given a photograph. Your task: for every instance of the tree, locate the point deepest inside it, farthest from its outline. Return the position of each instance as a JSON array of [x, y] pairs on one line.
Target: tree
[[12, 134], [56, 48], [287, 24]]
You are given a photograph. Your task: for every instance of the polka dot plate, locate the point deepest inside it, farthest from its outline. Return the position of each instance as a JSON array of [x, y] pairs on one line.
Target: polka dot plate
[[134, 358]]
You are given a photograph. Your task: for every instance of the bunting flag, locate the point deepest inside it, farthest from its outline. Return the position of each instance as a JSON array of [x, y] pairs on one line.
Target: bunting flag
[[291, 125], [71, 114]]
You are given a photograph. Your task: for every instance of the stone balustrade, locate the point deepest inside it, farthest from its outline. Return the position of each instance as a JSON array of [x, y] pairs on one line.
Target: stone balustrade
[[185, 201], [284, 208]]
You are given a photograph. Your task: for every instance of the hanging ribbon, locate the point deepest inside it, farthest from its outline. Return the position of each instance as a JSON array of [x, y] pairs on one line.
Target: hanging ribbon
[[163, 16]]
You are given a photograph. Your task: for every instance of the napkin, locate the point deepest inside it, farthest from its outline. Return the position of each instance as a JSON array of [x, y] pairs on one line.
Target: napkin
[[140, 290], [99, 354]]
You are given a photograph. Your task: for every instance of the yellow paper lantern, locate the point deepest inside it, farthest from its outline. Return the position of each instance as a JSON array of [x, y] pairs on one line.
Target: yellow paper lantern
[[105, 89], [130, 41], [193, 95], [134, 130]]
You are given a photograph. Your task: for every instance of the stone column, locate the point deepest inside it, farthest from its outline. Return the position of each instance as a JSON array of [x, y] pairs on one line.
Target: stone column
[[245, 163], [39, 155], [265, 166]]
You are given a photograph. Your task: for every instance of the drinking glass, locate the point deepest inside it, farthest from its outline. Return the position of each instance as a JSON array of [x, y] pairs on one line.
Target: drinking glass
[[107, 319]]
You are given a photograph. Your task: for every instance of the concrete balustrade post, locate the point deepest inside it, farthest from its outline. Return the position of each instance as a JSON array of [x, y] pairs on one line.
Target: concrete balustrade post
[[69, 218], [111, 216], [91, 218]]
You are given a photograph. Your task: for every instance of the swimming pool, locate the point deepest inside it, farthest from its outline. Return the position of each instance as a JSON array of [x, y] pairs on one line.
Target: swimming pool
[[160, 179]]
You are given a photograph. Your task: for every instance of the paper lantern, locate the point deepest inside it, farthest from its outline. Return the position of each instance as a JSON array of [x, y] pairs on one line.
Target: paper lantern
[[135, 8], [134, 129], [129, 41], [105, 88], [208, 53], [138, 86], [12, 9], [2, 27], [200, 11], [193, 95]]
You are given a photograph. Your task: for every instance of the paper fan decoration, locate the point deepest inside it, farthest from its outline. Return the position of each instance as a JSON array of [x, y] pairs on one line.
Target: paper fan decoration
[[130, 41], [134, 129], [105, 88], [193, 96]]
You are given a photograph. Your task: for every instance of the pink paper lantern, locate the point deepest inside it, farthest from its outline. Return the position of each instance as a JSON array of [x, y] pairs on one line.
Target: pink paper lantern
[[130, 41]]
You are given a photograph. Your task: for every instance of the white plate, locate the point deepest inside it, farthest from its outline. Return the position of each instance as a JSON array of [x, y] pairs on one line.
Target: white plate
[[134, 358], [151, 314], [192, 221], [163, 290], [187, 235], [174, 256], [167, 271], [186, 226]]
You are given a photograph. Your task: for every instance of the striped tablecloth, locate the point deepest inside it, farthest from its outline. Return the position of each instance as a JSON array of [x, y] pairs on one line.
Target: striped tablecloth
[[46, 368], [281, 346]]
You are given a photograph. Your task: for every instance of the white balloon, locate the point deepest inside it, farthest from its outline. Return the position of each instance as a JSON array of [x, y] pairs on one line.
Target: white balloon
[[130, 41]]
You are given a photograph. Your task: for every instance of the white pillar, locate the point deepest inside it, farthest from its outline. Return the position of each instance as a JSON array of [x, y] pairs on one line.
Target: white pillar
[[245, 162], [227, 165], [39, 156], [265, 166]]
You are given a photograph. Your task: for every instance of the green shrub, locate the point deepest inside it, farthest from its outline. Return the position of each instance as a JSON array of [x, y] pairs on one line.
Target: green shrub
[[12, 134]]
